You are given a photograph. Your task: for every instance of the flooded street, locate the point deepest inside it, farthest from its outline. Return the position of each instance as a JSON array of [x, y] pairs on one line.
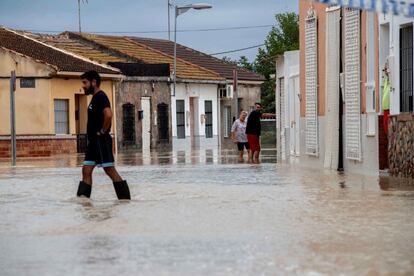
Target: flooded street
[[203, 213]]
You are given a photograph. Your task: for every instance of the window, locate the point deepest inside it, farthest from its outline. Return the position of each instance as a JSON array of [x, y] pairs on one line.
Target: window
[[406, 69], [227, 121], [61, 116], [208, 110], [180, 119], [27, 83], [128, 123]]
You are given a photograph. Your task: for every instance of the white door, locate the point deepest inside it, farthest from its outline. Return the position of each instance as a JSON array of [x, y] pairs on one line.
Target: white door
[[146, 123], [297, 116], [294, 113]]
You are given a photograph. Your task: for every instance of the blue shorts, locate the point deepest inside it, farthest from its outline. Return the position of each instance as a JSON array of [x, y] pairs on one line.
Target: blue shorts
[[99, 152]]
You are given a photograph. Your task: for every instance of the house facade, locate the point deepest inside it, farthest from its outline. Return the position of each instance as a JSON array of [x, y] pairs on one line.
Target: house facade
[[248, 87], [193, 107], [339, 83], [287, 106], [396, 50], [50, 105], [142, 94]]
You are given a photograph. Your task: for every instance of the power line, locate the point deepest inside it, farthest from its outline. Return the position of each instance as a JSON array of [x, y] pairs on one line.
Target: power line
[[159, 31], [237, 50]]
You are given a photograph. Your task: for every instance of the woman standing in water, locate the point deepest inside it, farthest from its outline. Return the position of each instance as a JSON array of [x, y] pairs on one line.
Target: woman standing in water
[[238, 135]]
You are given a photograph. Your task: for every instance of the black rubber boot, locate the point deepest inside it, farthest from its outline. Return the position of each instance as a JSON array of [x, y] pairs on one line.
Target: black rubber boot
[[84, 189], [122, 190]]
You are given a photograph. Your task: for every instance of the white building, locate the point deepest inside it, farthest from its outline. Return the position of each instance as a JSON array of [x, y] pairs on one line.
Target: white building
[[195, 123], [339, 88], [287, 105], [396, 47]]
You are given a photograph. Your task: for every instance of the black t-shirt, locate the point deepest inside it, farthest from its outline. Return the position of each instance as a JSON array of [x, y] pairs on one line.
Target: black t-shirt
[[95, 113], [254, 125]]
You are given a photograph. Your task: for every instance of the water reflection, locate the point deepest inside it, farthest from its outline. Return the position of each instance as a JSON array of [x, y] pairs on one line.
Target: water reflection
[[96, 212], [388, 183]]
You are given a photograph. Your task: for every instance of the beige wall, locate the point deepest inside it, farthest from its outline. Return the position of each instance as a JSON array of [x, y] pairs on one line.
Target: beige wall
[[32, 112], [66, 89], [35, 106]]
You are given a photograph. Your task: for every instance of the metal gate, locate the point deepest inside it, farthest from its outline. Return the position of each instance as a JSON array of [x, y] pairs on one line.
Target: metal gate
[[163, 122], [406, 69], [128, 124], [208, 110]]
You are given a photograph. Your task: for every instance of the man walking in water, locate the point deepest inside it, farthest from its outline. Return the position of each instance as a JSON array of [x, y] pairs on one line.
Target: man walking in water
[[99, 149], [238, 135], [253, 132]]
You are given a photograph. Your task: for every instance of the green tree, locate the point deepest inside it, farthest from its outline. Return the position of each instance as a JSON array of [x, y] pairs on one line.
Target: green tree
[[245, 63], [242, 62], [283, 37]]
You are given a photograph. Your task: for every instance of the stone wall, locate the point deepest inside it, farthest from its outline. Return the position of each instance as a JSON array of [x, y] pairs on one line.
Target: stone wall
[[130, 91], [42, 146], [401, 145]]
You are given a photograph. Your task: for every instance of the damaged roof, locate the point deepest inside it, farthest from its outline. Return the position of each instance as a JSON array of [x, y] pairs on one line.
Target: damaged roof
[[61, 60]]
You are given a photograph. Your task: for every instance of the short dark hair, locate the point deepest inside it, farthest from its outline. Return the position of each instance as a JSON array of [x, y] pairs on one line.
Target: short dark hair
[[258, 104], [92, 75]]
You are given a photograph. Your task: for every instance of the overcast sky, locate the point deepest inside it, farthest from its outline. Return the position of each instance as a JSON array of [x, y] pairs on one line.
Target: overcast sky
[[151, 15]]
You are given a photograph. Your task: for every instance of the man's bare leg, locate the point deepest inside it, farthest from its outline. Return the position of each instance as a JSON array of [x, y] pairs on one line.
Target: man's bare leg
[[256, 157], [87, 172], [113, 174], [120, 185], [85, 186]]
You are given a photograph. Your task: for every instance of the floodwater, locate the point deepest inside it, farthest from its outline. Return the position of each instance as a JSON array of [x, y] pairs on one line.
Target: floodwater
[[203, 213]]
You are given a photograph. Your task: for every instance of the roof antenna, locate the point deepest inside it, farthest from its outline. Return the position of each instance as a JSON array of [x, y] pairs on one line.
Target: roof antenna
[[79, 13]]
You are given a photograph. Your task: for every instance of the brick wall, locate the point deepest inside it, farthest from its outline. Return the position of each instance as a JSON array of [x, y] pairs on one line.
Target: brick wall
[[38, 147], [383, 145]]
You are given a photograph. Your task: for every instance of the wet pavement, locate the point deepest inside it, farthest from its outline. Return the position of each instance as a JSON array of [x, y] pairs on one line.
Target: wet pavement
[[203, 213]]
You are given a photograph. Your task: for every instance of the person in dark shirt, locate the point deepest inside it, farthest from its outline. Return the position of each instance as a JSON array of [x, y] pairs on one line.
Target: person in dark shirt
[[99, 150], [253, 132]]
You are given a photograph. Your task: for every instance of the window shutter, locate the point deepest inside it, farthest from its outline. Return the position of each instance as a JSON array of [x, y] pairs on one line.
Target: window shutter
[[332, 87], [311, 83], [352, 93]]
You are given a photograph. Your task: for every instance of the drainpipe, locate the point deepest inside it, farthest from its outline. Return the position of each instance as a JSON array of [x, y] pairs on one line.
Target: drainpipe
[[218, 117]]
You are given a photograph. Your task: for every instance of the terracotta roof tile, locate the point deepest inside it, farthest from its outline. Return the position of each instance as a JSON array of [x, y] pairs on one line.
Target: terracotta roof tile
[[199, 58], [124, 45]]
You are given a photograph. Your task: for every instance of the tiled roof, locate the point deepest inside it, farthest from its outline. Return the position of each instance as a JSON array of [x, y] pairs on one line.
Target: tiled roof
[[59, 59], [199, 58], [132, 48], [63, 41]]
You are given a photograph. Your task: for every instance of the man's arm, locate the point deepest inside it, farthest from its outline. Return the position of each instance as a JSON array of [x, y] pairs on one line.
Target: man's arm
[[107, 119]]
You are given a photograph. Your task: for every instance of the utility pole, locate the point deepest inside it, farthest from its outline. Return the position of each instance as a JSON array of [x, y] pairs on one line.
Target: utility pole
[[79, 17], [13, 117], [235, 91], [169, 20]]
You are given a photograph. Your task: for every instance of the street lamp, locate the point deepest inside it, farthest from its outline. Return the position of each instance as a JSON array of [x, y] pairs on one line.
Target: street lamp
[[178, 11]]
